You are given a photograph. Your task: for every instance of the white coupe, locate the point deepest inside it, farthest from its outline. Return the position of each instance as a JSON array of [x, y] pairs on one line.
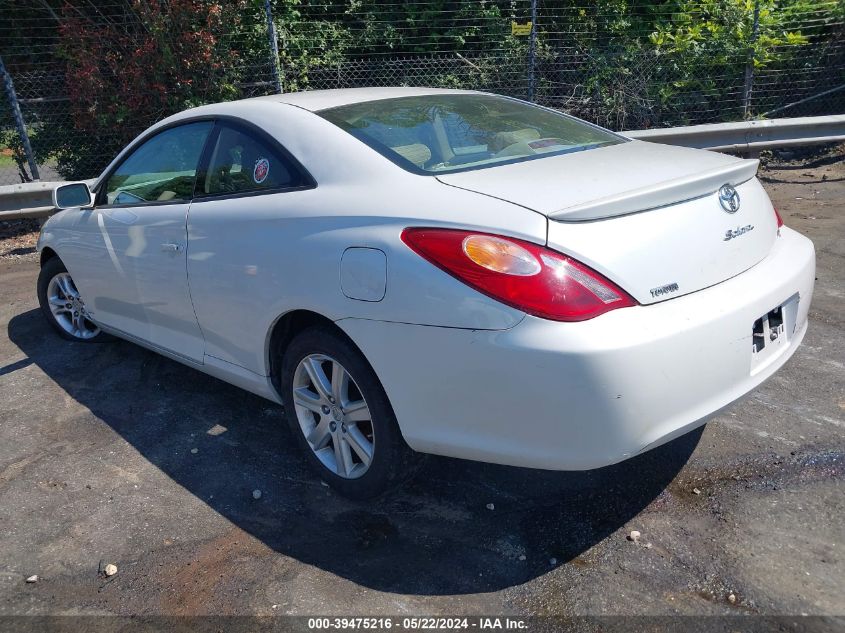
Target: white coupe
[[435, 271]]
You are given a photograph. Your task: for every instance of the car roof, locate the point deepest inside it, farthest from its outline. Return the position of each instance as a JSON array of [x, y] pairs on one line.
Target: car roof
[[316, 100], [310, 101]]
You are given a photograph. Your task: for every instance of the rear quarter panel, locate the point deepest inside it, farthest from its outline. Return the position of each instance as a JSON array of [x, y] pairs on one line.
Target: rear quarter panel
[[253, 259]]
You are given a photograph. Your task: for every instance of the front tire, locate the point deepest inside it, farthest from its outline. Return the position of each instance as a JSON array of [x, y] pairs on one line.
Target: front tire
[[62, 305], [339, 413]]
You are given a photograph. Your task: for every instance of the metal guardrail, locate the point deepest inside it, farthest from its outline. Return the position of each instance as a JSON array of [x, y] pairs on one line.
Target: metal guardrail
[[750, 136], [35, 199], [28, 199]]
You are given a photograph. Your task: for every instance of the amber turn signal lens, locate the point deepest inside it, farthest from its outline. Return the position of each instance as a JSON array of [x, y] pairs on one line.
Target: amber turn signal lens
[[501, 256]]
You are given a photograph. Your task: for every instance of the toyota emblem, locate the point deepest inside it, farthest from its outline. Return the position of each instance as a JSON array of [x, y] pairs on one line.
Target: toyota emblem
[[729, 198]]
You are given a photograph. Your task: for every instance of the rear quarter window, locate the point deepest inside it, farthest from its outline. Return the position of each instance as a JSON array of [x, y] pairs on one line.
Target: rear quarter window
[[242, 162]]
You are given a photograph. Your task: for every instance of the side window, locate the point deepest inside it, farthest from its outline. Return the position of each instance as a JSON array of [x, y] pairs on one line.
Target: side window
[[161, 169], [241, 162]]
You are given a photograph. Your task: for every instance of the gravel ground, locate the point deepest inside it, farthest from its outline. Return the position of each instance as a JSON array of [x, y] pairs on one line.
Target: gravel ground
[[18, 239], [98, 465]]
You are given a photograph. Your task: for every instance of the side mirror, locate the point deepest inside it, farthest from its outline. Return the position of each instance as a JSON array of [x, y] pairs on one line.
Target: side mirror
[[73, 194]]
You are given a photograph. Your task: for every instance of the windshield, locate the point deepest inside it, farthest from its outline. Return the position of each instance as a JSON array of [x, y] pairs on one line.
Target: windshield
[[455, 132]]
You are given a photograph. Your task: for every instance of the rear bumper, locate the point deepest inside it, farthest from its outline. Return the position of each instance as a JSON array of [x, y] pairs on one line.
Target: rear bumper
[[574, 396]]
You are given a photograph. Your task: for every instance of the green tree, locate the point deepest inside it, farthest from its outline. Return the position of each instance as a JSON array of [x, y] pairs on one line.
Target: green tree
[[148, 61]]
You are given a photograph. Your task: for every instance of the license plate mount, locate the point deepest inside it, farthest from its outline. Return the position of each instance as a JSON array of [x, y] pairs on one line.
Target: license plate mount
[[771, 333]]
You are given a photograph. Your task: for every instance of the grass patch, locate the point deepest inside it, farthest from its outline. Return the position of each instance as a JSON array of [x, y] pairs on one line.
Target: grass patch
[[6, 159]]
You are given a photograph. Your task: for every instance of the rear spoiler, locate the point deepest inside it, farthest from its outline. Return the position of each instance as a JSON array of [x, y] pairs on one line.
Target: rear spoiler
[[661, 194]]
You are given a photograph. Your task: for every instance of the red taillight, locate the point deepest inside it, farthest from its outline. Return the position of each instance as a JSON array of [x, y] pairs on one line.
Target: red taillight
[[779, 219], [528, 277]]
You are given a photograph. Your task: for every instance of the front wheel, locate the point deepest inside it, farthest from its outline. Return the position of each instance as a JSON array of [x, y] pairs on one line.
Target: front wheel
[[62, 305], [337, 409]]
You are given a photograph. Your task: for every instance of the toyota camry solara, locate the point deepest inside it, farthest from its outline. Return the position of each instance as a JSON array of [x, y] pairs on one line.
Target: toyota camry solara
[[435, 271]]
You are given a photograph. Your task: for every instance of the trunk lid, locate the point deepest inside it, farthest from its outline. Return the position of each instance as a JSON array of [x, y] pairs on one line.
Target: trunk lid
[[646, 216]]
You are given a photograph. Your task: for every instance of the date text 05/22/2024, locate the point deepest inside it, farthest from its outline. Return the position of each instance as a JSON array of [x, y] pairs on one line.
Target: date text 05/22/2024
[[419, 623]]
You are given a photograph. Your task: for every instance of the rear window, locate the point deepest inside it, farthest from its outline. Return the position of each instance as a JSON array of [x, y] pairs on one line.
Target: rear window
[[446, 133]]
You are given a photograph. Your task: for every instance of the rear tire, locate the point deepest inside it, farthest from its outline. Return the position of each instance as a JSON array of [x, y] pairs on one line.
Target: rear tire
[[62, 305], [339, 413]]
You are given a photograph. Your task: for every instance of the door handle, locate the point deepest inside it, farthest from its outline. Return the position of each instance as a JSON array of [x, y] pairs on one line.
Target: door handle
[[171, 248]]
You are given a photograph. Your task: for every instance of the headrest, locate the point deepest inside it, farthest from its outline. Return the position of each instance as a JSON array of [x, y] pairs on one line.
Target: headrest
[[417, 153], [502, 139]]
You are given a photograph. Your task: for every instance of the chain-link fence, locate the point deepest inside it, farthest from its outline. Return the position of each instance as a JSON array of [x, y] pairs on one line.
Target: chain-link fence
[[90, 75]]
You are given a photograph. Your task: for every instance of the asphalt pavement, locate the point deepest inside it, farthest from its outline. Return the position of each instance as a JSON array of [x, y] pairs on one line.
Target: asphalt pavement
[[110, 454]]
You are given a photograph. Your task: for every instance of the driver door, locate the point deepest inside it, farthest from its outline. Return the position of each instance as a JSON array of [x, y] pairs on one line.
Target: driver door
[[129, 252]]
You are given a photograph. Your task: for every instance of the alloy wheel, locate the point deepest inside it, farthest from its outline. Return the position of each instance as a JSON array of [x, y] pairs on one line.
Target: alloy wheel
[[333, 415], [68, 309]]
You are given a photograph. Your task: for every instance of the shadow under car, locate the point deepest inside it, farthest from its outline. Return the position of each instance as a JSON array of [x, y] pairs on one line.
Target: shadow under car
[[438, 525]]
